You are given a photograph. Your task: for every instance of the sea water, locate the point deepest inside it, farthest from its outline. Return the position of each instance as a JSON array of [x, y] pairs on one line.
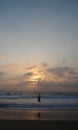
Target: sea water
[[22, 100]]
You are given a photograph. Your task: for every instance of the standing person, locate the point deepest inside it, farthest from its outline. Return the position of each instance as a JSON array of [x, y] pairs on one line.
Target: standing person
[[39, 97]]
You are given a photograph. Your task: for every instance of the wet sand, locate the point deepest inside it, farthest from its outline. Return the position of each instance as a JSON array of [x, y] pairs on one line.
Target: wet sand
[[37, 114], [39, 119]]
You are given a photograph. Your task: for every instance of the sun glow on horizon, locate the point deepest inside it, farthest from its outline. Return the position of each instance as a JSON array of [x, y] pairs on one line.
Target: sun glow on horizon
[[36, 77]]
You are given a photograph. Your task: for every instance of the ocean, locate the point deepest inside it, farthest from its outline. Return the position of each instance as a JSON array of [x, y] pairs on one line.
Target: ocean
[[52, 101]]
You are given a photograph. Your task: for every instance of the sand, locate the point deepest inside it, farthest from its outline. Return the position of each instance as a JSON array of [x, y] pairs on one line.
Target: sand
[[38, 119], [37, 114]]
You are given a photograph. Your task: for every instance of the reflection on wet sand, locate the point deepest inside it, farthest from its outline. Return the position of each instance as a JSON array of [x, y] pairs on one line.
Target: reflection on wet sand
[[37, 114]]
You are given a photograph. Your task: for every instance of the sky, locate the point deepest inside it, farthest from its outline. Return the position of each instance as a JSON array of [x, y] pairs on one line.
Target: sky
[[39, 45]]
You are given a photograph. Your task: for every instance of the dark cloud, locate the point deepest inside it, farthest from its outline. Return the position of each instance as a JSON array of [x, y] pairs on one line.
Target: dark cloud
[[61, 71], [25, 80], [73, 72], [28, 74], [57, 84], [2, 73], [61, 78], [57, 70]]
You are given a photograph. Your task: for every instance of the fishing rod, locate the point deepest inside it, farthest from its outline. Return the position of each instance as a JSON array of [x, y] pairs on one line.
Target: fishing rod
[[38, 94]]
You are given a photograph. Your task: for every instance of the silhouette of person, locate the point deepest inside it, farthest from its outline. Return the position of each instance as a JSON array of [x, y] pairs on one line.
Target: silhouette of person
[[39, 97], [38, 115]]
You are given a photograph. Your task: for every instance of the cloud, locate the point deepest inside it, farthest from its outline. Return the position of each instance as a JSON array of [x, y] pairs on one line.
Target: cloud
[[29, 74], [2, 73], [58, 86], [38, 67], [59, 79], [2, 57], [31, 67], [54, 78], [63, 71], [9, 66], [10, 72], [25, 83], [54, 74]]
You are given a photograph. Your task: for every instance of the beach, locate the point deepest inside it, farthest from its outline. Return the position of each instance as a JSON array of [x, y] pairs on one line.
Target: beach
[[22, 111], [42, 119], [38, 114]]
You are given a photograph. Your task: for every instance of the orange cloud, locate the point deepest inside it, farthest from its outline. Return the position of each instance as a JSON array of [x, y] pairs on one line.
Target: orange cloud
[[37, 75]]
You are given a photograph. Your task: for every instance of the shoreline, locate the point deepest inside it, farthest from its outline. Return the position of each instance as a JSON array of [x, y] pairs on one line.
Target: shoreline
[[38, 119], [39, 114]]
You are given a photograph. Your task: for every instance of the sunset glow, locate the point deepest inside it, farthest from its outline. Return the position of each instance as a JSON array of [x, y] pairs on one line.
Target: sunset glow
[[39, 45], [36, 77]]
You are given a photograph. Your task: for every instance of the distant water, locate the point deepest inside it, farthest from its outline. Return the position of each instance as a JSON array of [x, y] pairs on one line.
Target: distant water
[[20, 100]]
